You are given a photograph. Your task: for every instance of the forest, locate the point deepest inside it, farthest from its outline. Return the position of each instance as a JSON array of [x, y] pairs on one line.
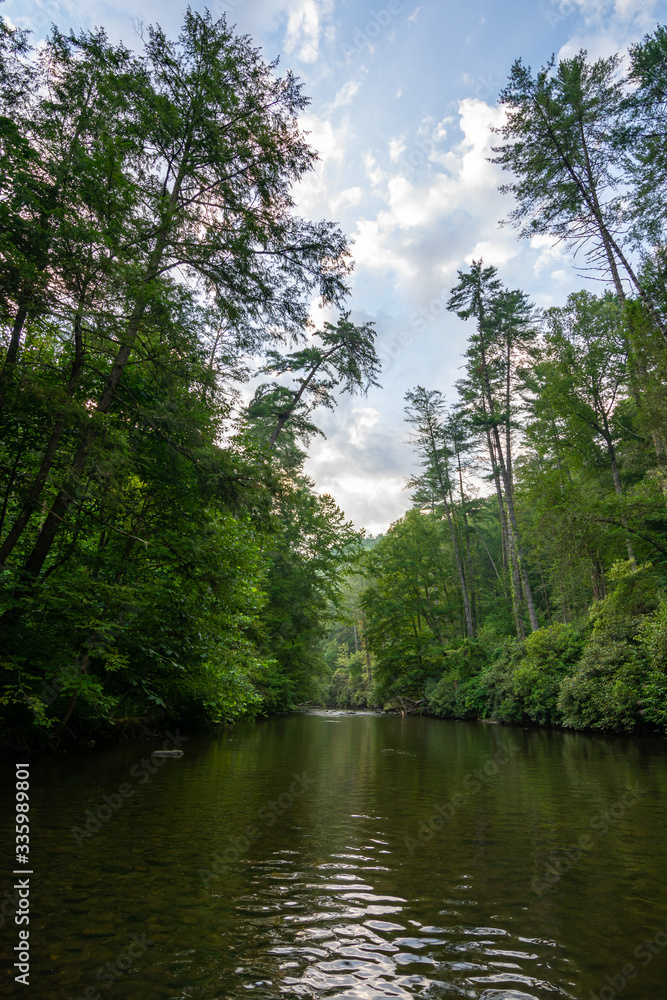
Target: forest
[[163, 555]]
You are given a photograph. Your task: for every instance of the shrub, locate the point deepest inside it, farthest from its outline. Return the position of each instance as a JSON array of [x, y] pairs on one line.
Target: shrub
[[448, 696], [551, 654], [653, 637], [607, 688], [494, 695]]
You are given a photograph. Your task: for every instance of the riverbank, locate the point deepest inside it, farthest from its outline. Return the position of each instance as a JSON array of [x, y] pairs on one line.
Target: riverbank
[[117, 732]]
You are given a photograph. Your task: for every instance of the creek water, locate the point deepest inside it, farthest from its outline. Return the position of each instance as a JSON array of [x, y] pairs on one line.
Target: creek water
[[348, 855]]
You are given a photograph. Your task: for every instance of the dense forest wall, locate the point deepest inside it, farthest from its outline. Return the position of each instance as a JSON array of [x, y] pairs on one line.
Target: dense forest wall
[[527, 582], [162, 554]]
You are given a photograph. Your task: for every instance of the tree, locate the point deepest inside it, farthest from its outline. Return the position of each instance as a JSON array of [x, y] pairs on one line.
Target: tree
[[220, 148], [308, 552], [412, 614], [72, 199], [153, 578], [434, 487], [345, 356], [642, 139], [560, 143], [585, 373], [503, 329]]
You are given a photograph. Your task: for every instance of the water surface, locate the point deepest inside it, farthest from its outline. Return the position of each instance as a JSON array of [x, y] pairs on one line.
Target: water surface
[[352, 856]]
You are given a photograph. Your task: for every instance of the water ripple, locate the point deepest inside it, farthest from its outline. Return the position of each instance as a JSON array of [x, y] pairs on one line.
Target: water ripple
[[349, 941]]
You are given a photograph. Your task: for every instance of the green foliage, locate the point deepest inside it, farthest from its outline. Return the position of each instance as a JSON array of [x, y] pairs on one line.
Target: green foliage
[[455, 693], [148, 569], [550, 656], [347, 686], [606, 690], [412, 606], [653, 637], [309, 551]]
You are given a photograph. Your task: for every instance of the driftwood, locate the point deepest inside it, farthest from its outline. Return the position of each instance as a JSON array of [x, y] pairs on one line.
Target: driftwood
[[408, 706], [167, 753]]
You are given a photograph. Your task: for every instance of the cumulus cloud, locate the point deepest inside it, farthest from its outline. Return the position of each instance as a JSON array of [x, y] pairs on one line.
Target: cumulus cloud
[[372, 249], [438, 204], [396, 149], [350, 196], [610, 26], [317, 189], [304, 28], [362, 463]]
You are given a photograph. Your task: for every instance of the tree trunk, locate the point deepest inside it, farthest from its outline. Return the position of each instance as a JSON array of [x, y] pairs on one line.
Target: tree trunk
[[444, 492], [619, 489], [519, 569], [48, 458], [12, 352], [56, 516]]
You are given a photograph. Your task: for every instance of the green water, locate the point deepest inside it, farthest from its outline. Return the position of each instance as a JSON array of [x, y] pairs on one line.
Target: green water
[[356, 856]]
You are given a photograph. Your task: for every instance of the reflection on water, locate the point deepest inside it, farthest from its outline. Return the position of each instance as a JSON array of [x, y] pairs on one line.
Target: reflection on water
[[357, 943], [352, 856]]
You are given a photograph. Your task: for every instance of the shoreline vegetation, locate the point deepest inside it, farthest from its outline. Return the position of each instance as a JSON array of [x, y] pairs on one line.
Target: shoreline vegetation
[[163, 556]]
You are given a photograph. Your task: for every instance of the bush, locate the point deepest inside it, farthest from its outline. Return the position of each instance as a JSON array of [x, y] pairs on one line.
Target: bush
[[653, 637], [511, 681], [607, 688], [551, 654], [495, 695], [448, 696]]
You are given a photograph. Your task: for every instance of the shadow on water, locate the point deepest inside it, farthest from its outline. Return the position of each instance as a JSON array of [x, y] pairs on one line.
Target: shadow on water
[[350, 855]]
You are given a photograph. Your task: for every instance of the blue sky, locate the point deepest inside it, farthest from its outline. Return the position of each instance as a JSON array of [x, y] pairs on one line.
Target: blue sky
[[403, 95]]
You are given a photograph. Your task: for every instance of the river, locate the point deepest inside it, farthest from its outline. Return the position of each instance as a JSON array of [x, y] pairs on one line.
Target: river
[[346, 855]]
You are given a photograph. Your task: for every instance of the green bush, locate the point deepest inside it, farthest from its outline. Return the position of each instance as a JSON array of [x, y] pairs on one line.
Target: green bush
[[496, 695], [653, 637], [448, 695], [510, 681], [608, 687], [551, 654]]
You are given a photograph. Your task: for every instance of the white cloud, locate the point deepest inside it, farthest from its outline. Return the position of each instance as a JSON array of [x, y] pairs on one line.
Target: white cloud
[[375, 175], [372, 249], [550, 253], [610, 26], [313, 194], [327, 140], [494, 251], [364, 419], [320, 314], [345, 95], [430, 223], [625, 10], [350, 196], [364, 463], [396, 149], [304, 27]]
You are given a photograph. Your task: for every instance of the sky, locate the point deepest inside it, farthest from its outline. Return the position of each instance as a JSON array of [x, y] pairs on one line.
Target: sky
[[403, 97]]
